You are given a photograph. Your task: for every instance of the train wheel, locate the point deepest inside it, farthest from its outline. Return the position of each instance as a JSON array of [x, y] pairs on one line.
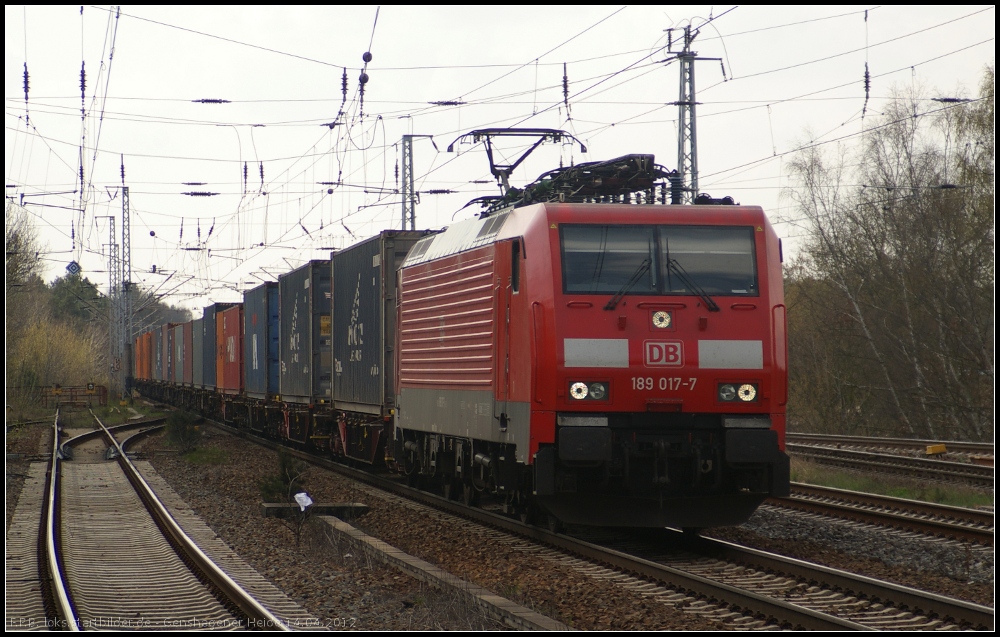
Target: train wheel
[[470, 497], [528, 514], [555, 524]]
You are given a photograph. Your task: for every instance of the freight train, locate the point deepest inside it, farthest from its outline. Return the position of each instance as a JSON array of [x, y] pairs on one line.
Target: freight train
[[583, 350]]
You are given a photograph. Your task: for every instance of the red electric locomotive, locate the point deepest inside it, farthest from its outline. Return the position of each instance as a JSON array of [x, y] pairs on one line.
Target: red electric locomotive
[[612, 363]]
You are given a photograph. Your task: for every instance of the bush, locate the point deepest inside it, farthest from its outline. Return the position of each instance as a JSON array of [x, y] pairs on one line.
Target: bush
[[183, 431], [290, 479]]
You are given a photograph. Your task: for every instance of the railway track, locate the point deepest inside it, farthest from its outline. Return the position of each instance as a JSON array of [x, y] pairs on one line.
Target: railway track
[[979, 448], [749, 588], [938, 520], [939, 470], [117, 560]]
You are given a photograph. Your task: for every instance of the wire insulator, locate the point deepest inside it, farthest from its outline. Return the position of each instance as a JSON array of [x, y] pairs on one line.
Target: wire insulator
[[343, 88], [868, 85], [565, 89], [261, 174]]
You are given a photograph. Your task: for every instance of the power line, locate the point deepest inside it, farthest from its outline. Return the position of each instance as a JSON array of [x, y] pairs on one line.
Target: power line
[[836, 55]]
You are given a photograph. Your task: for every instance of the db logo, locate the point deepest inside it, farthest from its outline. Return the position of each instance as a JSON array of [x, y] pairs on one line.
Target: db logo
[[664, 353]]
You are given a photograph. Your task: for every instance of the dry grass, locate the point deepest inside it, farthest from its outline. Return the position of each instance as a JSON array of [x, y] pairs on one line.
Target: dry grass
[[894, 486]]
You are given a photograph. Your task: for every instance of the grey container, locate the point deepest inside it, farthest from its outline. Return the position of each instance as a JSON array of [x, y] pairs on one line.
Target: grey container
[[177, 335], [197, 352], [364, 321], [157, 353], [260, 340], [208, 345], [304, 347]]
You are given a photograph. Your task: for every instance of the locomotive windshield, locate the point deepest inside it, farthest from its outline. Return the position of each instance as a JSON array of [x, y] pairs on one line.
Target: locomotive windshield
[[601, 259]]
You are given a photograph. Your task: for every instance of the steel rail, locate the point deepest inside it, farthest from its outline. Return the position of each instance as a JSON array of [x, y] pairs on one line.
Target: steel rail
[[973, 615], [918, 467], [781, 612], [784, 613], [900, 443], [257, 616], [60, 592], [948, 521]]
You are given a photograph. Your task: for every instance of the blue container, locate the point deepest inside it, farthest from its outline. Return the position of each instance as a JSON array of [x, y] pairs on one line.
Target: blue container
[[260, 340]]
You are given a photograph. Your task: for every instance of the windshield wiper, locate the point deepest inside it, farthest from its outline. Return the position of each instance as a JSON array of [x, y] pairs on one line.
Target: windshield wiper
[[643, 268], [676, 268]]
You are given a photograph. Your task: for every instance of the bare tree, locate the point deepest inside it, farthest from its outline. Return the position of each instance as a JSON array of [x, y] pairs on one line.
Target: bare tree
[[896, 280], [21, 262]]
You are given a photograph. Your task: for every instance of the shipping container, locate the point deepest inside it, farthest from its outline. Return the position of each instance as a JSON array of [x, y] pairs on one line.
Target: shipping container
[[167, 373], [188, 373], [208, 346], [137, 353], [304, 348], [197, 352], [150, 354], [229, 345], [158, 357], [177, 362], [260, 340], [364, 321]]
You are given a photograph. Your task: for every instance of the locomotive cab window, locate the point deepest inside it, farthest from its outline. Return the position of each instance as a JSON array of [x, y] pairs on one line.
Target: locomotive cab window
[[664, 260]]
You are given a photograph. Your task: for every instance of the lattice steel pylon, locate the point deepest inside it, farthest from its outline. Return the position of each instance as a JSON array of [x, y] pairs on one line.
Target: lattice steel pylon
[[409, 197], [687, 130], [126, 294], [115, 336]]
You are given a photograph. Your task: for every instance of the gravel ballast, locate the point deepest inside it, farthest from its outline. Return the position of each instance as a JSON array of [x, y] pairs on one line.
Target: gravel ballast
[[347, 590], [336, 583]]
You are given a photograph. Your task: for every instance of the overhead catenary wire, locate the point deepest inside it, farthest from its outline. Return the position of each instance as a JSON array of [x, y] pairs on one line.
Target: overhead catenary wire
[[283, 184]]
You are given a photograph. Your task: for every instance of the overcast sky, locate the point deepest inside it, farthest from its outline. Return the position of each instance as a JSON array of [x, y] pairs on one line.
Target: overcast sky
[[792, 76]]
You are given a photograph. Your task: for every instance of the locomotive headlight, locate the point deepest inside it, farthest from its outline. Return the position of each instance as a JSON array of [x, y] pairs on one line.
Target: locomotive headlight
[[598, 391], [578, 391], [587, 390], [727, 392], [738, 392], [746, 392], [662, 319]]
